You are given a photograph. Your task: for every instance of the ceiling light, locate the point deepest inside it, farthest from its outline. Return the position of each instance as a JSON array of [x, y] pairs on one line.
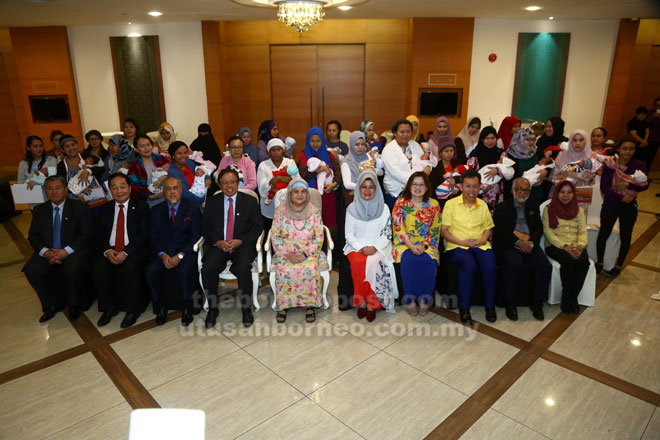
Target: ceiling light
[[550, 401], [345, 8], [129, 22], [155, 13], [551, 18], [300, 14], [134, 35], [532, 8]]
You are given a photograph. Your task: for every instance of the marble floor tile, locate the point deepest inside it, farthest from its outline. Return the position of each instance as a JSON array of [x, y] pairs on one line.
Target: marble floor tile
[[19, 324], [652, 431], [525, 328], [457, 355], [383, 398], [111, 424], [8, 250], [647, 200], [310, 355], [22, 222], [644, 221], [149, 354], [55, 398], [236, 392], [650, 255], [561, 404], [495, 426], [303, 420]]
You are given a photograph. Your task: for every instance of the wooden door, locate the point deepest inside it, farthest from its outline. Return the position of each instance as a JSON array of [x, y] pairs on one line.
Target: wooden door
[[13, 150]]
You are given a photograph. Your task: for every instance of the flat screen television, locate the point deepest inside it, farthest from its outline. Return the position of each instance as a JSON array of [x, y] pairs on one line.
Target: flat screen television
[[440, 102], [50, 109]]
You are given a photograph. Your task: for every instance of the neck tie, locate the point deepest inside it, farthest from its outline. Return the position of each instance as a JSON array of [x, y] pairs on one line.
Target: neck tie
[[230, 221], [172, 216], [57, 223], [119, 233]]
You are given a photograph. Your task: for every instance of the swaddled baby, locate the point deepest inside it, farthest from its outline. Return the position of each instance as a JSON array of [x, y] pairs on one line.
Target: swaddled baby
[[323, 178], [506, 168]]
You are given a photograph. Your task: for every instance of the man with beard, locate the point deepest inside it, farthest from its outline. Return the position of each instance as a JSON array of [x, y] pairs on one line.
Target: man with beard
[[516, 240]]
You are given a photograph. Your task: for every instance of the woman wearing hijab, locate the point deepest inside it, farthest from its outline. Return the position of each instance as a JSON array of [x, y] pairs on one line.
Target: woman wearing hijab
[[468, 137], [355, 162], [297, 237], [315, 147], [206, 143], [369, 248], [487, 153], [565, 230], [553, 135], [442, 136], [416, 135], [509, 126], [524, 151], [270, 130], [579, 153], [369, 129], [166, 136], [248, 146]]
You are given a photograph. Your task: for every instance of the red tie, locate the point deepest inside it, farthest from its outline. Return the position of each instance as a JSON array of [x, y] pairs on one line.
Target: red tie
[[172, 216], [230, 221], [119, 233]]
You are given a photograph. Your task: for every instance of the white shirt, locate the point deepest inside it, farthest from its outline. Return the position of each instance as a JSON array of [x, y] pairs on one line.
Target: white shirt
[[397, 167], [346, 174], [226, 217], [114, 224]]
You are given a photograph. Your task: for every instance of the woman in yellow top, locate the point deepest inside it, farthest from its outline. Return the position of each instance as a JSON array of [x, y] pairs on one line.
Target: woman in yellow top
[[565, 230], [416, 225]]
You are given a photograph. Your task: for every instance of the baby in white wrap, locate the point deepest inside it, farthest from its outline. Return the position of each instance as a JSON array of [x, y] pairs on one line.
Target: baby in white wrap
[[323, 178]]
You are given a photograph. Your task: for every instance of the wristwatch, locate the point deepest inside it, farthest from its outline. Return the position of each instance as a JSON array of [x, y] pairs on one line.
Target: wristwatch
[[180, 255]]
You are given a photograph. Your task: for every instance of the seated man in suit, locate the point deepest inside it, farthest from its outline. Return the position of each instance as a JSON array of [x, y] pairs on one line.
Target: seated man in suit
[[175, 227], [61, 235], [231, 226], [517, 234], [122, 236]]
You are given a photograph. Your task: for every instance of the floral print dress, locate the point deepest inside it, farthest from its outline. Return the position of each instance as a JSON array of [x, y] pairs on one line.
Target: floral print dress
[[297, 285], [419, 225]]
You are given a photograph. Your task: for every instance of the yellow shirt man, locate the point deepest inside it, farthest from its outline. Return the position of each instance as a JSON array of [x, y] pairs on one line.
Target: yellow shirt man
[[466, 222]]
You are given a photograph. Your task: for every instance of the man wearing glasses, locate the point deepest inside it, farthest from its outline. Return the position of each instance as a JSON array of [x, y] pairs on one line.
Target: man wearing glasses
[[517, 234]]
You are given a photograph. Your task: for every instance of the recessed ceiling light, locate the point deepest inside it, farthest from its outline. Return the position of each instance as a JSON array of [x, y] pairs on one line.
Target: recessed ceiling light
[[551, 18], [532, 8], [134, 35], [155, 13], [345, 7]]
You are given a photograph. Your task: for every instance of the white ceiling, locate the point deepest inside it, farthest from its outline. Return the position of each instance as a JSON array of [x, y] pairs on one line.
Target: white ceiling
[[80, 12]]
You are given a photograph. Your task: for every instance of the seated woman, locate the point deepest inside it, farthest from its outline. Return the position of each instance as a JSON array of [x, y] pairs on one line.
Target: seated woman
[[565, 230], [297, 237], [78, 166], [36, 166], [416, 224], [242, 164], [95, 147], [184, 169], [369, 248], [141, 171], [356, 161], [119, 153], [619, 189], [271, 176]]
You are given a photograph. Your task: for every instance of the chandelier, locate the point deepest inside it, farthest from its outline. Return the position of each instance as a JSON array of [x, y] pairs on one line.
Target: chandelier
[[300, 14]]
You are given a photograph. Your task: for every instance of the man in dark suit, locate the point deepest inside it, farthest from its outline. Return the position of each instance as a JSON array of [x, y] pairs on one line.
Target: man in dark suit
[[122, 236], [175, 227], [231, 226], [61, 235], [517, 235]]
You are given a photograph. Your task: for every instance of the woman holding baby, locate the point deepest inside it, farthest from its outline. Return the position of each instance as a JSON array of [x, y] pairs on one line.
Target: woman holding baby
[[141, 171], [184, 169], [487, 153], [357, 160]]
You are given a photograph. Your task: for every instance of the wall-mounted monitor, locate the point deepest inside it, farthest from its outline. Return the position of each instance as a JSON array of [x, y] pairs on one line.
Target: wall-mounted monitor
[[440, 102], [48, 109]]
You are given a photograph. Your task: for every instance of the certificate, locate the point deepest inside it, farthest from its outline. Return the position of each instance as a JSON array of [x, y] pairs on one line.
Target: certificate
[[22, 194]]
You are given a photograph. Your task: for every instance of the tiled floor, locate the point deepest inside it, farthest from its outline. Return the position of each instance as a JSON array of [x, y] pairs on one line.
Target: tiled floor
[[400, 377]]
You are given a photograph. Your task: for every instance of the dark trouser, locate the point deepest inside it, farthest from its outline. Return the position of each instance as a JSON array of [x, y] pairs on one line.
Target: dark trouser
[[215, 261], [44, 277], [469, 261], [627, 215], [511, 261], [651, 151], [345, 284], [572, 272], [389, 200], [185, 273], [121, 287]]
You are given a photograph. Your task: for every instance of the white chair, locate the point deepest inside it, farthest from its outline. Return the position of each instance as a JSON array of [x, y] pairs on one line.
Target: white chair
[[257, 264], [345, 137], [154, 135], [325, 261], [587, 296], [167, 424], [593, 225], [388, 135]]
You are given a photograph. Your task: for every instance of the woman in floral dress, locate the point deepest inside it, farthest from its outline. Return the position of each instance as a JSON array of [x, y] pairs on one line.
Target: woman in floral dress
[[297, 237]]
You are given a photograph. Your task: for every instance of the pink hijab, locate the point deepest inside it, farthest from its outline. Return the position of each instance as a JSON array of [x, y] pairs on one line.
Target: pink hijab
[[439, 140], [570, 156]]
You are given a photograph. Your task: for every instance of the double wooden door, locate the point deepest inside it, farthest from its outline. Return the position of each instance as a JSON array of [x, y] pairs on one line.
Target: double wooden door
[[314, 84]]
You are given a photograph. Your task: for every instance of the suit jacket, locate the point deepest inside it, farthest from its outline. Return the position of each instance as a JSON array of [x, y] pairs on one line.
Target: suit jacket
[[505, 223], [248, 224], [76, 231], [180, 236], [137, 223]]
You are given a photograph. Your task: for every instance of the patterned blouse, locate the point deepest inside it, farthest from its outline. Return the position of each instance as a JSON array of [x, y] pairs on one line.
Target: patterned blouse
[[418, 225]]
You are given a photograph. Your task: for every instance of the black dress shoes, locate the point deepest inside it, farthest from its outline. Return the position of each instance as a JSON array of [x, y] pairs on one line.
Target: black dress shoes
[[248, 317], [129, 319], [161, 317], [48, 314], [210, 318], [537, 312], [491, 316], [74, 313], [466, 318], [106, 317], [576, 309], [186, 318], [511, 312]]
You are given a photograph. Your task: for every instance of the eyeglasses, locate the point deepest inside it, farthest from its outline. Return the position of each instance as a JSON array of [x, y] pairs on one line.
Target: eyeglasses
[[524, 190]]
